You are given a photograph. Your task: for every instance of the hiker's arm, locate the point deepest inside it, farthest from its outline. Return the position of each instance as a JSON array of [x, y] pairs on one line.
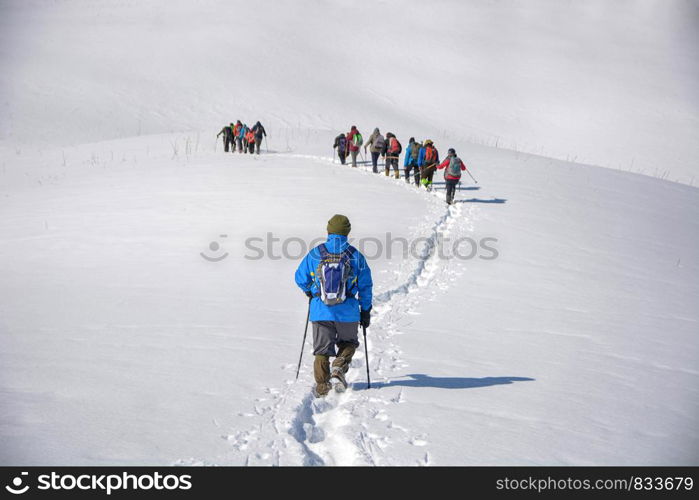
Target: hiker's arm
[[303, 277], [364, 283]]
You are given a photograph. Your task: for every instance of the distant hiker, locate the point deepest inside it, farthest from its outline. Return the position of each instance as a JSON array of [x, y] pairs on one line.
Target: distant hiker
[[354, 142], [427, 162], [341, 145], [238, 136], [227, 133], [336, 278], [412, 154], [452, 174], [243, 137], [377, 145], [250, 141], [393, 150], [259, 132]]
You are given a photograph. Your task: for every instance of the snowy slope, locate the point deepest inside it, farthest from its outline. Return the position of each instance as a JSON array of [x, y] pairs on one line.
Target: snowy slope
[[121, 344], [607, 83]]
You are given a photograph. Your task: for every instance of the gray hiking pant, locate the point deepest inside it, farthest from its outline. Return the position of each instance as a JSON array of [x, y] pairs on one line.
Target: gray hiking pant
[[326, 334], [354, 154]]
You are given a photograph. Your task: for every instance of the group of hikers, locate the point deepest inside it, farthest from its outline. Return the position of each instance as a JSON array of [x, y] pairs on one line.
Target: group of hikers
[[420, 162], [248, 140]]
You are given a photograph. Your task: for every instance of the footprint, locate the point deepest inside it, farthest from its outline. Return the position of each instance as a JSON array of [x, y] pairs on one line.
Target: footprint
[[314, 434], [418, 441]]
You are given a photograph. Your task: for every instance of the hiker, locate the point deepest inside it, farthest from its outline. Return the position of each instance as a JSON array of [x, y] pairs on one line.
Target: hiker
[[452, 174], [242, 144], [340, 301], [427, 162], [259, 132], [341, 145], [250, 141], [227, 132], [393, 150], [377, 145], [237, 137], [354, 142], [412, 153]]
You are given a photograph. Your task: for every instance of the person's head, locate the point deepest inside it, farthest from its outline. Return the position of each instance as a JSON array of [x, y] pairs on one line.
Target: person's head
[[389, 134], [428, 142], [452, 152], [238, 122], [232, 124], [339, 224], [354, 127], [411, 140], [376, 130]]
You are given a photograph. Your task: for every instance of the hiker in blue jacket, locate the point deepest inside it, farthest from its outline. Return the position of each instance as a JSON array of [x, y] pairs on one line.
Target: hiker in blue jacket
[[412, 153], [336, 324]]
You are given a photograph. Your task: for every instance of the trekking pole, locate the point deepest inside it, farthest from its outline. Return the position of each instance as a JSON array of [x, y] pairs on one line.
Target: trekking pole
[[333, 155], [266, 146], [366, 355], [305, 331], [469, 173]]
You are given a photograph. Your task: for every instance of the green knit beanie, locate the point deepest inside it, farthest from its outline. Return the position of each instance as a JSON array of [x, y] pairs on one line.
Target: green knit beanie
[[339, 224]]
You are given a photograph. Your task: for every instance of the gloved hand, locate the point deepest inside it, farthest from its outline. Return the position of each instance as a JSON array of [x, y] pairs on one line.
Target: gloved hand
[[309, 294], [365, 318]]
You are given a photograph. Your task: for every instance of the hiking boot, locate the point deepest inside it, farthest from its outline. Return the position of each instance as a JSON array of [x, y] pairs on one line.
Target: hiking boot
[[321, 390], [397, 174], [337, 379], [387, 172]]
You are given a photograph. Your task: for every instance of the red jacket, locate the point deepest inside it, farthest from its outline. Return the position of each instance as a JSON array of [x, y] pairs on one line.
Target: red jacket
[[445, 164], [350, 140]]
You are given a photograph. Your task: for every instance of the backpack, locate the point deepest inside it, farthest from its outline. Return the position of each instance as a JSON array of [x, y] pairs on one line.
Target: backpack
[[395, 148], [430, 155], [454, 168], [341, 143], [332, 274], [357, 139], [415, 151], [379, 143]]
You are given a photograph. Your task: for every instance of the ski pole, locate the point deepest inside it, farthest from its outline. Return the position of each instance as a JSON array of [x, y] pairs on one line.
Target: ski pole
[[469, 173], [366, 355], [305, 331]]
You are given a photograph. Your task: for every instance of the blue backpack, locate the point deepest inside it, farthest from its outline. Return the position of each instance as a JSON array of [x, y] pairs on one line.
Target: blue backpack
[[333, 273]]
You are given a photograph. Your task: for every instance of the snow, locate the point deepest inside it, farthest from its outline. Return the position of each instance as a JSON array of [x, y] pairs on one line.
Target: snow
[[121, 344]]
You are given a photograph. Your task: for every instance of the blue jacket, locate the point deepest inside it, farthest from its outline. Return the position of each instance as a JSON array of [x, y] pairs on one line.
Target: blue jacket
[[359, 285], [409, 154]]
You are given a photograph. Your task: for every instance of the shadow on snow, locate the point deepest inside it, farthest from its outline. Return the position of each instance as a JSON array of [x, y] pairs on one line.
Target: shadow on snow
[[422, 380]]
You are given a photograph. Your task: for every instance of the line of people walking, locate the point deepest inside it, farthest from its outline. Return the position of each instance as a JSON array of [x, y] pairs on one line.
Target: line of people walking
[[421, 160], [247, 140]]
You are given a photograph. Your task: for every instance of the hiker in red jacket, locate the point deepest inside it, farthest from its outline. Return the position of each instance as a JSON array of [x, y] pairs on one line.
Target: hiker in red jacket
[[354, 142], [393, 150], [452, 175]]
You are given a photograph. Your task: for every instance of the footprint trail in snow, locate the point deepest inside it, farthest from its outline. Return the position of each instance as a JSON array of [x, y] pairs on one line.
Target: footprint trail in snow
[[355, 427]]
